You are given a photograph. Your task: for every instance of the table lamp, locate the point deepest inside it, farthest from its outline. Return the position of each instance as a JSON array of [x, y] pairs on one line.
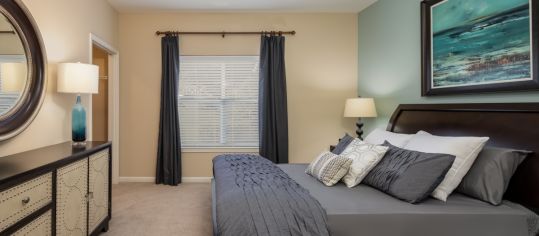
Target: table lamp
[[360, 108], [78, 78]]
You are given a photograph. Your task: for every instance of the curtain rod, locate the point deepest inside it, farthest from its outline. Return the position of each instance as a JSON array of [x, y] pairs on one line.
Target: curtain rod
[[223, 33], [7, 32]]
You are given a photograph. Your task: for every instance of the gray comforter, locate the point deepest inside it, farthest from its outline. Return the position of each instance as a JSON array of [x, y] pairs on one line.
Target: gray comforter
[[255, 197]]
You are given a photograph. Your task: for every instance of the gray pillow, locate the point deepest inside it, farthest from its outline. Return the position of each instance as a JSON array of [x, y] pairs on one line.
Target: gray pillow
[[490, 174], [343, 143], [409, 175]]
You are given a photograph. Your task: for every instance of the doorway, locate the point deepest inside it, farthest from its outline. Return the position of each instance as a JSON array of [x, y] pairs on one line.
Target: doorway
[[104, 115], [100, 101]]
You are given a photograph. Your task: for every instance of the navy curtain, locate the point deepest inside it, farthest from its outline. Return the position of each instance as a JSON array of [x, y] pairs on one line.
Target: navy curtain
[[273, 114], [169, 145]]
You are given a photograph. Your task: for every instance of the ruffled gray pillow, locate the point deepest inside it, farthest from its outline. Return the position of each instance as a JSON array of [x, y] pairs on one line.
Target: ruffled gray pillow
[[409, 175]]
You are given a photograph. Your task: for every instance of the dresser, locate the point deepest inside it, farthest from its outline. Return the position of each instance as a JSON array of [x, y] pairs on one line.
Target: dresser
[[56, 190]]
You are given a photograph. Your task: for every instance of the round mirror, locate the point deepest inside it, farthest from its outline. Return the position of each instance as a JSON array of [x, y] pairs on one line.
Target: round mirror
[[22, 69]]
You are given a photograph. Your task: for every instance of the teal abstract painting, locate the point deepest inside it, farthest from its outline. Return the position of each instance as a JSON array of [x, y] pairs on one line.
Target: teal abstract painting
[[478, 42]]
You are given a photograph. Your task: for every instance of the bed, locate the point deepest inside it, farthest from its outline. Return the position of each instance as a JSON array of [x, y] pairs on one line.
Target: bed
[[366, 211]]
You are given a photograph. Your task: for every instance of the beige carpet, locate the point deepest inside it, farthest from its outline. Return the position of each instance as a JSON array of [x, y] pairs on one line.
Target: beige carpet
[[149, 209]]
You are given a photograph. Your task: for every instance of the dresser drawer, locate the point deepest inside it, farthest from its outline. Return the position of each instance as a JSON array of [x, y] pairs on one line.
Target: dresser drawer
[[22, 200], [41, 226]]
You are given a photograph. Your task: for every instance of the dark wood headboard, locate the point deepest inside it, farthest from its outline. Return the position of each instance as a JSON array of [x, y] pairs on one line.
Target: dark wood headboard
[[508, 125]]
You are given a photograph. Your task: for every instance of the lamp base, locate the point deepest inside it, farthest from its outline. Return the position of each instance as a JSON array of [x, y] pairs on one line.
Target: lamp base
[[78, 122], [359, 128]]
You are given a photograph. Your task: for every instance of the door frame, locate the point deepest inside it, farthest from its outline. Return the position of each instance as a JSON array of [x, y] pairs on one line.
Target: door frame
[[113, 101]]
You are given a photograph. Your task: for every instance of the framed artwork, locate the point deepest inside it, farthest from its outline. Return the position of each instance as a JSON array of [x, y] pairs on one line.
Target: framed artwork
[[477, 46]]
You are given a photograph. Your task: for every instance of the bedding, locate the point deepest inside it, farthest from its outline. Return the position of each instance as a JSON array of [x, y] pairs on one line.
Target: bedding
[[366, 211], [465, 149], [329, 168], [409, 175], [490, 174], [379, 136], [255, 197], [364, 157]]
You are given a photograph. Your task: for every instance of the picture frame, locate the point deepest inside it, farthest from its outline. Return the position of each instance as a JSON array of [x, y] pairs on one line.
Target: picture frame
[[479, 54]]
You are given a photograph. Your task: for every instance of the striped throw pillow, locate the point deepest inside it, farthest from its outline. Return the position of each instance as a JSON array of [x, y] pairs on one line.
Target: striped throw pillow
[[329, 168]]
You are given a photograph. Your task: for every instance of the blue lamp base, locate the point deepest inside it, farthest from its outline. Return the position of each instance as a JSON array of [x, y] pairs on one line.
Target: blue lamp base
[[78, 124]]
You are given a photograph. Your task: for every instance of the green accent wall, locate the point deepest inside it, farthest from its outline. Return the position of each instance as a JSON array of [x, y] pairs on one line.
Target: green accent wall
[[390, 62]]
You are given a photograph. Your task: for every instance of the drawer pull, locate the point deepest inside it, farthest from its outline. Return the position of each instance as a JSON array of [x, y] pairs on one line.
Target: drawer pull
[[25, 200]]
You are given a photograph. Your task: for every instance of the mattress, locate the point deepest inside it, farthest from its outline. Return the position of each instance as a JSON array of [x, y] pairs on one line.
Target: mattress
[[366, 211]]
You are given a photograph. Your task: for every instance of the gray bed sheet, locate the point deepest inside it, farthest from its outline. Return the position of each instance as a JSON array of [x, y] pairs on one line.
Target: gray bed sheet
[[366, 211]]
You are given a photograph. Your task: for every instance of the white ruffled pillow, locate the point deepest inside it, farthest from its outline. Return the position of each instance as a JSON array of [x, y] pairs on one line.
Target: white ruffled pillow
[[364, 158]]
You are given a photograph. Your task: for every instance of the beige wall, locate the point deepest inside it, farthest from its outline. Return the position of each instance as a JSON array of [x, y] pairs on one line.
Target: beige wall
[[321, 63], [65, 26]]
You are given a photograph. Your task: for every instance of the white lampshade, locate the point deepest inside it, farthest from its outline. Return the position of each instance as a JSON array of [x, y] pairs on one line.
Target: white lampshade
[[13, 76], [360, 107], [78, 78]]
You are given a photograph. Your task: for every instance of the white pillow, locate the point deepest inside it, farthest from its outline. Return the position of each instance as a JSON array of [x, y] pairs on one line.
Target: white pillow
[[364, 158], [465, 150], [379, 136]]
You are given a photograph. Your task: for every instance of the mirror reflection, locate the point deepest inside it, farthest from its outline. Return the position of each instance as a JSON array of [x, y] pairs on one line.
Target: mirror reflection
[[13, 66]]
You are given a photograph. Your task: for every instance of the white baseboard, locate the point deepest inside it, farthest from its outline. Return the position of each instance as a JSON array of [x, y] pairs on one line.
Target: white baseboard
[[196, 179], [137, 179], [152, 179]]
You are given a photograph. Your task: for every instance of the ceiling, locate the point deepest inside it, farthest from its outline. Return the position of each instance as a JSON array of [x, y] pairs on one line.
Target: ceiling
[[352, 6]]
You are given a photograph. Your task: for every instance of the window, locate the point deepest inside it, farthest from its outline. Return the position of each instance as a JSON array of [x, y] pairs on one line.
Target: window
[[218, 101]]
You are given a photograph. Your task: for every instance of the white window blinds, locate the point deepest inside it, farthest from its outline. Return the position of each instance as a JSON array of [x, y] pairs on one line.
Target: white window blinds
[[218, 101]]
